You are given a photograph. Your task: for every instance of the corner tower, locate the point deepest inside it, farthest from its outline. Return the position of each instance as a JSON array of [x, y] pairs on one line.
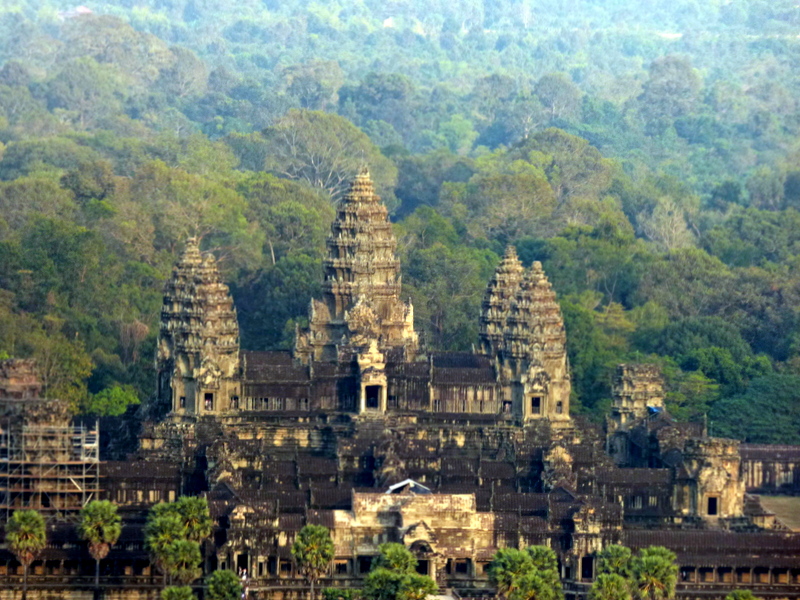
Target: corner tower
[[523, 330], [361, 303], [197, 359]]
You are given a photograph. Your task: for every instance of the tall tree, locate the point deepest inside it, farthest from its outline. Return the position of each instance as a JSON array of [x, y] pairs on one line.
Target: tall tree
[[161, 530], [654, 574], [100, 526], [393, 576], [26, 537], [326, 151], [610, 586], [223, 585], [508, 566], [313, 551], [615, 559], [177, 593], [181, 559], [197, 522]]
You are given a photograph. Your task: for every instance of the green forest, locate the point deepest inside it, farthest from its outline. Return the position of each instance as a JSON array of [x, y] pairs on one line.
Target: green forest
[[647, 152]]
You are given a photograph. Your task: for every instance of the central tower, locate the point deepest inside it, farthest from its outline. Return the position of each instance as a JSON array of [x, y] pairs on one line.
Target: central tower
[[361, 310]]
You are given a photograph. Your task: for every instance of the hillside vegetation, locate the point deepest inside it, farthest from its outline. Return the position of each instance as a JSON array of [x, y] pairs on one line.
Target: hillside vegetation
[[646, 152]]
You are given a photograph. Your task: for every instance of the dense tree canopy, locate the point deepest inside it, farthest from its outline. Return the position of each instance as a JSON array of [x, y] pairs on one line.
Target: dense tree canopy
[[648, 159]]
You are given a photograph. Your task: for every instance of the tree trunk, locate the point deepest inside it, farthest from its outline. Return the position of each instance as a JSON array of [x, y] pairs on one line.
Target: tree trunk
[[312, 589], [97, 579], [25, 582]]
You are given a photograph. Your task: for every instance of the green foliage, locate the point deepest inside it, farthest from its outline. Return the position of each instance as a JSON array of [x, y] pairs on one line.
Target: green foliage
[[313, 551], [767, 413], [615, 560], [161, 531], [740, 595], [100, 526], [341, 594], [181, 560], [26, 535], [654, 574], [395, 557], [526, 574], [325, 151], [177, 593], [223, 585], [193, 511], [656, 177], [110, 402], [610, 586], [393, 576]]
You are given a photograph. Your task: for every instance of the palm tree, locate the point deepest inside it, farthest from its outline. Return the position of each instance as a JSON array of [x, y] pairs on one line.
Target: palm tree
[[161, 530], [177, 593], [100, 526], [508, 566], [26, 537], [313, 551], [181, 560], [655, 574], [615, 559], [610, 586], [196, 518]]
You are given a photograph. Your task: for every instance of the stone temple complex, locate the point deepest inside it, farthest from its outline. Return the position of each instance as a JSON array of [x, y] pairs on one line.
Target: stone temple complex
[[364, 430]]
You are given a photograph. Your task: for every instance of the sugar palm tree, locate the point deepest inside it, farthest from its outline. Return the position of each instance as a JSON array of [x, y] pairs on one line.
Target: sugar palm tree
[[161, 530], [610, 586], [181, 560], [26, 537], [508, 566], [100, 526], [313, 552], [655, 574], [196, 518]]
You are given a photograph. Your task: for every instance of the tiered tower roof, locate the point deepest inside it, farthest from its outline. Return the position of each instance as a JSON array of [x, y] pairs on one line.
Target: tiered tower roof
[[361, 253], [198, 316], [497, 301], [361, 289], [523, 329]]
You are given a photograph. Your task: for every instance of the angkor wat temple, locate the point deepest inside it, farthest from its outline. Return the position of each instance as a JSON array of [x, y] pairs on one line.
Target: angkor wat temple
[[363, 430]]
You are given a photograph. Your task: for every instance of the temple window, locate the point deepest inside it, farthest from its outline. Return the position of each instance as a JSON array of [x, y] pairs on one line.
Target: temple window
[[235, 402], [209, 401], [507, 407], [373, 395], [536, 405], [182, 402], [559, 407], [713, 508]]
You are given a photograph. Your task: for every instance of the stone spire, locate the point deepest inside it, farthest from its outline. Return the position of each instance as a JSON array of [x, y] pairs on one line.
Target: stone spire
[[497, 301], [198, 343], [522, 327], [361, 287]]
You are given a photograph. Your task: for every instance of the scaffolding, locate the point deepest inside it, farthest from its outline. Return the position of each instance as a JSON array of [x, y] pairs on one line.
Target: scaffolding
[[49, 467]]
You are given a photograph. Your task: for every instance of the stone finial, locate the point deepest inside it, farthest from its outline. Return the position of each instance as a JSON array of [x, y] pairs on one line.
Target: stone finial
[[191, 252]]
